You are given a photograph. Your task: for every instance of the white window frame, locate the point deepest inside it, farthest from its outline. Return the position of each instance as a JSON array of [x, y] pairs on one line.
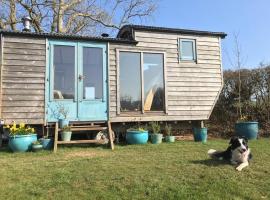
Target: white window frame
[[194, 44], [118, 51]]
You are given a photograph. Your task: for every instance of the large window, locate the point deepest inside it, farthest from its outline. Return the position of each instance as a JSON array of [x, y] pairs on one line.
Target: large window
[[130, 81], [187, 50], [153, 82], [133, 94]]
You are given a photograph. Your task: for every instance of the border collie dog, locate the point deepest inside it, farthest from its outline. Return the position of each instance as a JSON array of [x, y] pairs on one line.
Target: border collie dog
[[237, 153]]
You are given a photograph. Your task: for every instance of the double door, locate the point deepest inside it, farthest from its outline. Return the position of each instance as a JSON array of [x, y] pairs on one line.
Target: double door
[[76, 81]]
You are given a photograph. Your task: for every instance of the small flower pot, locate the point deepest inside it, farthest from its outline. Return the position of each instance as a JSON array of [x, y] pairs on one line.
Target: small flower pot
[[63, 122], [248, 130], [170, 139], [137, 137], [156, 138], [21, 143], [37, 147], [200, 134], [47, 143], [66, 135]]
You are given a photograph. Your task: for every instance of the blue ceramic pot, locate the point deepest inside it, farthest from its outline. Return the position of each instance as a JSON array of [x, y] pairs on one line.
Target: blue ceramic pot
[[247, 129], [66, 135], [47, 143], [63, 122], [170, 138], [200, 134], [21, 143], [137, 137], [156, 138]]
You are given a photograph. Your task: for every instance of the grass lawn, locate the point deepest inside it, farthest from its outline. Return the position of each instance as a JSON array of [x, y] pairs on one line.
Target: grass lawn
[[168, 171]]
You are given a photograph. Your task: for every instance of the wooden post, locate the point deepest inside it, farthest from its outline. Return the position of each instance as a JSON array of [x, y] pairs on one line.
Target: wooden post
[[110, 135], [55, 137]]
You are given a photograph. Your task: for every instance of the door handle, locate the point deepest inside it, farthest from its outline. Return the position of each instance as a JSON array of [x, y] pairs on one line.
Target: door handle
[[81, 77]]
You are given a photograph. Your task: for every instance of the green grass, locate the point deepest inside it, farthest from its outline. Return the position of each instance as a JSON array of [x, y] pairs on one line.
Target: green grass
[[168, 171]]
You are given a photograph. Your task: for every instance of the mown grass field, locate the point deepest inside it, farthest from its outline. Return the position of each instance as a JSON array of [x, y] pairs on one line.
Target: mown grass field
[[168, 171]]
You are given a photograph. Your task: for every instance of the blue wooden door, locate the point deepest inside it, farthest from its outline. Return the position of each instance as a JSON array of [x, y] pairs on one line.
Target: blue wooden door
[[76, 81], [92, 90]]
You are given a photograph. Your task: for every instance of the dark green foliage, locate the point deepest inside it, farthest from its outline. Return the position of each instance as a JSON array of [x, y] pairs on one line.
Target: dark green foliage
[[255, 98]]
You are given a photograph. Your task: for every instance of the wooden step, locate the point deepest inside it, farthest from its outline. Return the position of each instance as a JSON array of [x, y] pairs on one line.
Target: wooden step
[[81, 142], [87, 128]]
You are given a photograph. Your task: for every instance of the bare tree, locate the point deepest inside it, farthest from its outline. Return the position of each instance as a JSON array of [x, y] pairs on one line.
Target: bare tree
[[75, 16], [237, 62]]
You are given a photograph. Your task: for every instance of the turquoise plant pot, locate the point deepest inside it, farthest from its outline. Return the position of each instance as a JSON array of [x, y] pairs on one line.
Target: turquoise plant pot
[[37, 147], [248, 130], [156, 138], [47, 143], [63, 122], [66, 135], [200, 134], [170, 139], [21, 143], [137, 137]]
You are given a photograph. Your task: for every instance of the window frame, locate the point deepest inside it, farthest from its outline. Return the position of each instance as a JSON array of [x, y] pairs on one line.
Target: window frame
[[142, 111], [194, 45]]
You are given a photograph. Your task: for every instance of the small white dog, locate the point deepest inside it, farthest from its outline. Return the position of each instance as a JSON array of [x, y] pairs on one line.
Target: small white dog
[[237, 153]]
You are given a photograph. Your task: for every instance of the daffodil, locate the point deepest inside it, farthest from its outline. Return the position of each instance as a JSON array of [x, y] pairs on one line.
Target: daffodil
[[22, 125]]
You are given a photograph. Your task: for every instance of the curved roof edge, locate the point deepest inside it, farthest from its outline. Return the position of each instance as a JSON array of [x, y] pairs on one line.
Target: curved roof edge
[[128, 29]]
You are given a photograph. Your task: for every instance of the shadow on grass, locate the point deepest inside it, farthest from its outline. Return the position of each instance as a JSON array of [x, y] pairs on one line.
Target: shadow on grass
[[210, 162]]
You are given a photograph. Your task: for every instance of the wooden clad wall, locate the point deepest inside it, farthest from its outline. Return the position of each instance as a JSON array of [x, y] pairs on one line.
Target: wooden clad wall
[[192, 88], [23, 79]]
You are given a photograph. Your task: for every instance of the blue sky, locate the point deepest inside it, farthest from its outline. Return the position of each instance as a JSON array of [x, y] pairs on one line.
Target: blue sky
[[249, 18]]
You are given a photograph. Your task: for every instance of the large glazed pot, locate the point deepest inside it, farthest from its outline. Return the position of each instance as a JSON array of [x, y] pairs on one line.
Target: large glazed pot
[[137, 137], [247, 129], [21, 143], [200, 134]]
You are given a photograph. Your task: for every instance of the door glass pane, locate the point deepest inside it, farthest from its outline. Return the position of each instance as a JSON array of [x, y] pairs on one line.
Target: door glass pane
[[92, 73], [153, 82], [130, 81], [64, 72]]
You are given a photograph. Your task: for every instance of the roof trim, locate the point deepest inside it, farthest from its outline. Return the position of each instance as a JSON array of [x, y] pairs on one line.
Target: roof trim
[[68, 37], [131, 28]]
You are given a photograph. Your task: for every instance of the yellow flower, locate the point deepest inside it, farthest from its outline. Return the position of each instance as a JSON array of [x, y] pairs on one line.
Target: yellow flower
[[32, 130], [14, 125], [22, 125], [7, 126]]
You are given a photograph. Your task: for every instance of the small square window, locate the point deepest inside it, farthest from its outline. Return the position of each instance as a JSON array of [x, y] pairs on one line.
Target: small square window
[[187, 50]]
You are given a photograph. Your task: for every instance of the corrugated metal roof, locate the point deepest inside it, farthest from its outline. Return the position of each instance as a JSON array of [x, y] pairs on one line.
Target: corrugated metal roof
[[68, 36], [168, 30]]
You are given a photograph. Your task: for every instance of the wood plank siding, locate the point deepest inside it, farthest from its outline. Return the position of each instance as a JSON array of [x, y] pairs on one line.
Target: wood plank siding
[[23, 79], [192, 87]]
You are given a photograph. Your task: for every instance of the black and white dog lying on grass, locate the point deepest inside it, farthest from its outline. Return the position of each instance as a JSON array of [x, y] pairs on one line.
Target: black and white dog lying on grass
[[237, 153]]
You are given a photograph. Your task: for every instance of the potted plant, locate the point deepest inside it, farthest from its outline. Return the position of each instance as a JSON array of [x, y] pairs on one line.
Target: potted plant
[[46, 142], [156, 136], [200, 133], [36, 146], [66, 133], [21, 137], [168, 132], [247, 128], [137, 135], [63, 111]]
